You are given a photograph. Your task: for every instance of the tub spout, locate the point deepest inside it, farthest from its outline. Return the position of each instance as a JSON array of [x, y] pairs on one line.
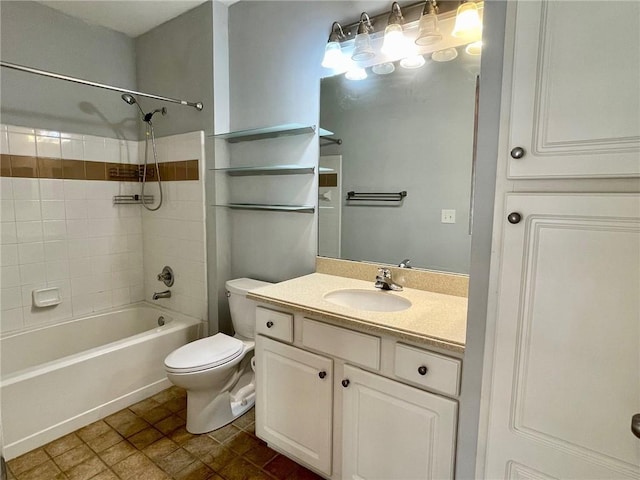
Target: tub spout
[[165, 294]]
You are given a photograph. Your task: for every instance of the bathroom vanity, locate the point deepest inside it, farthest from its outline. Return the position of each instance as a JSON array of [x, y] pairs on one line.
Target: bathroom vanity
[[355, 393]]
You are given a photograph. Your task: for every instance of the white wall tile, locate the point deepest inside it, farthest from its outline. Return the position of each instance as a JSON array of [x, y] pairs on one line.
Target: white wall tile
[[9, 276], [26, 189], [35, 316], [27, 232], [101, 300], [94, 149], [81, 286], [51, 189], [77, 248], [81, 305], [112, 150], [11, 298], [27, 210], [58, 270], [11, 320], [80, 267], [8, 233], [72, 148], [61, 312], [121, 296], [7, 211], [32, 273], [4, 142], [18, 129], [55, 250], [31, 252], [6, 188], [53, 209], [77, 229], [9, 255], [75, 209], [75, 189], [64, 287], [53, 230], [21, 144], [47, 146]]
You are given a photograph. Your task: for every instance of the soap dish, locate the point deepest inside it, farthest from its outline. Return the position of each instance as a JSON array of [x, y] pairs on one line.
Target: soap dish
[[46, 297]]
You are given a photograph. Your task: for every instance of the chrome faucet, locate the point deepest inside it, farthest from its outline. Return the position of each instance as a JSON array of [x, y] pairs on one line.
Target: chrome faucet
[[165, 294], [406, 263], [385, 282]]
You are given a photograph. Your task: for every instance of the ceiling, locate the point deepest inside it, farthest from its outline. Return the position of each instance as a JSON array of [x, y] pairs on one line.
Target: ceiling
[[131, 17]]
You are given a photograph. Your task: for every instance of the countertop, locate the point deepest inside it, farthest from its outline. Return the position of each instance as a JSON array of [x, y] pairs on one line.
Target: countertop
[[434, 319]]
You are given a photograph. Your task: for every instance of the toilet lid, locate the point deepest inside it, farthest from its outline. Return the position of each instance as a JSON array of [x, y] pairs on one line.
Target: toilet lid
[[204, 354]]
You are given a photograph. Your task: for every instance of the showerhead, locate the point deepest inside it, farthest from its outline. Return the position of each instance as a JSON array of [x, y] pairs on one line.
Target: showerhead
[[128, 98]]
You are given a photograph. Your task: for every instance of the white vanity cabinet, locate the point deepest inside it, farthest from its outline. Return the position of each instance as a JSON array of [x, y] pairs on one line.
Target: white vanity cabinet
[[339, 401]]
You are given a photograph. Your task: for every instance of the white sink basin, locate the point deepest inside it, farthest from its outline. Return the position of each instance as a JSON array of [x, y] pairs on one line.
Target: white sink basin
[[370, 300]]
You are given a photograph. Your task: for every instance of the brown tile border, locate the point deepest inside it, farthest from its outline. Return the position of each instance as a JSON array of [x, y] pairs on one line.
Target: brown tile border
[[42, 167]]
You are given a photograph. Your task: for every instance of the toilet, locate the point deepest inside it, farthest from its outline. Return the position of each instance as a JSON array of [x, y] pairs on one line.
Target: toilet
[[217, 371]]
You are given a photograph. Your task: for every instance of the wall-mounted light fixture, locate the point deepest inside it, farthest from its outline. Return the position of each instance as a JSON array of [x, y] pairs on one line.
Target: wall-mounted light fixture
[[428, 27], [468, 24], [404, 36], [362, 44], [394, 43], [333, 57]]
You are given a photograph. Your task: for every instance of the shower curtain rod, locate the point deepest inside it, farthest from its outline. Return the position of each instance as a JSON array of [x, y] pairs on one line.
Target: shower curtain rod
[[198, 105]]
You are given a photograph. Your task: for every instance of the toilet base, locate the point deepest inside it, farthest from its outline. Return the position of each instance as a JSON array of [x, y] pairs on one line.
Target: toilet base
[[206, 415]]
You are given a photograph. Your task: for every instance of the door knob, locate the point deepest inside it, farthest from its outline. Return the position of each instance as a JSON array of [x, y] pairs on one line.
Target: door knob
[[269, 324], [517, 153], [345, 382], [635, 425], [422, 370], [514, 217], [322, 374]]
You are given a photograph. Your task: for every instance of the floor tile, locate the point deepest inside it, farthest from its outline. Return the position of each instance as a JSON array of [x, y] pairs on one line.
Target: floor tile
[[86, 469], [117, 452], [45, 471], [149, 441], [27, 461], [73, 457], [160, 449], [145, 438], [104, 441], [176, 461], [62, 445]]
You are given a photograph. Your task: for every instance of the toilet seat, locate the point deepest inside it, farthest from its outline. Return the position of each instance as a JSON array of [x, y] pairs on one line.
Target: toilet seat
[[204, 354]]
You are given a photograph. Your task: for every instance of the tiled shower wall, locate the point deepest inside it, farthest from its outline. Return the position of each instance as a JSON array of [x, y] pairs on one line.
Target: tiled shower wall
[[67, 233]]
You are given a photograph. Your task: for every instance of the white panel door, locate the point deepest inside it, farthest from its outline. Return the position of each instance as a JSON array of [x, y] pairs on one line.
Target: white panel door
[[395, 432], [294, 406], [575, 100], [566, 364]]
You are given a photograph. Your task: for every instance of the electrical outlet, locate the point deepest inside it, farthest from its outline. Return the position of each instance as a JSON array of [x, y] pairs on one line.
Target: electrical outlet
[[448, 216]]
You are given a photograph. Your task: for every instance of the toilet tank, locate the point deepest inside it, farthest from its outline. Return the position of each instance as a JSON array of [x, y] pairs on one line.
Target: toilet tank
[[243, 310]]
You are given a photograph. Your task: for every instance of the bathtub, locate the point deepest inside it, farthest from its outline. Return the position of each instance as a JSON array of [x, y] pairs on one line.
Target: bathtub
[[56, 379]]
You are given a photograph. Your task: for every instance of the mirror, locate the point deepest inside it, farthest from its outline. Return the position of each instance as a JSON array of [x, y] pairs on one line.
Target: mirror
[[410, 131]]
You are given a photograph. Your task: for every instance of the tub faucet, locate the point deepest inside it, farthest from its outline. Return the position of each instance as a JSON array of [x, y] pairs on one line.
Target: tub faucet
[[165, 294], [385, 282]]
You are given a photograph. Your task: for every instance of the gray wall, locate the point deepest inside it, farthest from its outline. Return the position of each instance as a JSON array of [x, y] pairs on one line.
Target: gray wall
[[175, 60], [409, 130], [40, 37]]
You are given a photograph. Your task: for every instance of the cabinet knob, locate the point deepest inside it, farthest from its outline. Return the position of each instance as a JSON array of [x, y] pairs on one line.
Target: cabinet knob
[[345, 382], [517, 153], [635, 425], [322, 374], [422, 370], [514, 217], [269, 324]]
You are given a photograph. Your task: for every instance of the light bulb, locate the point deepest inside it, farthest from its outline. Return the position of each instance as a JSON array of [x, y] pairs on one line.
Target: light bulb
[[333, 57], [394, 44], [468, 23]]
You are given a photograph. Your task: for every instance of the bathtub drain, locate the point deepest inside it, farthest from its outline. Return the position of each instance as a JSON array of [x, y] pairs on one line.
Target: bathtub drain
[[160, 320]]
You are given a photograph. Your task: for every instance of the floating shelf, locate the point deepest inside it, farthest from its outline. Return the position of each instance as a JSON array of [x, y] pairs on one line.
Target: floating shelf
[[272, 170], [274, 208], [270, 132]]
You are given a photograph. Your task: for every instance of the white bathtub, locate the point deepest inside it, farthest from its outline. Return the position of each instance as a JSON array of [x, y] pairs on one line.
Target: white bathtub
[[59, 378]]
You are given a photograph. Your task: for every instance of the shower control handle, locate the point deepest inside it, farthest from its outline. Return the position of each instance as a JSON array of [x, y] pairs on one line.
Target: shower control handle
[[635, 425], [166, 276], [322, 374]]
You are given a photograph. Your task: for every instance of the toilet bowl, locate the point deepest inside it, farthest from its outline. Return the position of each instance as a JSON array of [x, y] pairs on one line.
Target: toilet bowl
[[217, 371]]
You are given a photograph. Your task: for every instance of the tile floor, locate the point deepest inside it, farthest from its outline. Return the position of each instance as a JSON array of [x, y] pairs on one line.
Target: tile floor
[[148, 441]]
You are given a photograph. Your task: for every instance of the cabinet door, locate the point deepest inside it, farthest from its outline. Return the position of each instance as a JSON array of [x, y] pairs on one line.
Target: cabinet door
[[575, 101], [393, 431], [566, 355], [294, 402]]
